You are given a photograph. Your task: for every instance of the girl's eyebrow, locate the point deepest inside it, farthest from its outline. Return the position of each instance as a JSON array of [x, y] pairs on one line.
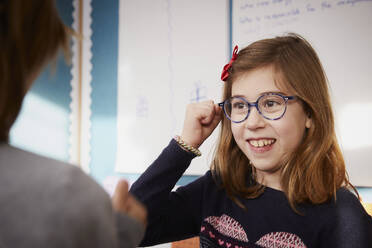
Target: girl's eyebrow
[[265, 92]]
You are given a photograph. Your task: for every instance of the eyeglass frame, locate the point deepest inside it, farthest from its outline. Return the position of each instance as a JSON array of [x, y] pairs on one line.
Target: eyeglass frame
[[255, 104]]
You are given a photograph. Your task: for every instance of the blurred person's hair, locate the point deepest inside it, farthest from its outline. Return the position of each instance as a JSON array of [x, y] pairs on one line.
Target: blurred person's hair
[[31, 34]]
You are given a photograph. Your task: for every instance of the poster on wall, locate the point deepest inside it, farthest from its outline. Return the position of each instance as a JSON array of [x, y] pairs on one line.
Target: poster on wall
[[171, 53]]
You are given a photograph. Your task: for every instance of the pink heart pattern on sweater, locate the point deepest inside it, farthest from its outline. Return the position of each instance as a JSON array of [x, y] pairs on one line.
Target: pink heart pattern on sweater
[[229, 227]]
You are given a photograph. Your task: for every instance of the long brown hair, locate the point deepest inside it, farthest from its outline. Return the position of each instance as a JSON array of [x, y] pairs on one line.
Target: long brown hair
[[31, 33], [316, 169]]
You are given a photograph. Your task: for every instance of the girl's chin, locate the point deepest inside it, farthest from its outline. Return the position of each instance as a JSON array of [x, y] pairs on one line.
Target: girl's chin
[[266, 167]]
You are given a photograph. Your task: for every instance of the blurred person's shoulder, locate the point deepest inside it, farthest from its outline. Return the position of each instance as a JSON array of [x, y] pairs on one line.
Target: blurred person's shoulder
[[33, 170], [47, 201]]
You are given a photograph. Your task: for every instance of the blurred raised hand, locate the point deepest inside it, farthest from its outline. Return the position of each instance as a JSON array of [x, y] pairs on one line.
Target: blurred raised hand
[[124, 202]]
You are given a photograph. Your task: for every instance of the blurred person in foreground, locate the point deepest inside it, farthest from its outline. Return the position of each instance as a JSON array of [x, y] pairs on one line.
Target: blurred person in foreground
[[44, 202]]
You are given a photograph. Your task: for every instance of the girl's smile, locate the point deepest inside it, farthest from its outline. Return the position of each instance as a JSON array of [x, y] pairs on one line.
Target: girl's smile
[[261, 145]]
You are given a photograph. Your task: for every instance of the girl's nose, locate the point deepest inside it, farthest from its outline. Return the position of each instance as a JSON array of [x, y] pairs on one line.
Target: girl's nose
[[255, 120]]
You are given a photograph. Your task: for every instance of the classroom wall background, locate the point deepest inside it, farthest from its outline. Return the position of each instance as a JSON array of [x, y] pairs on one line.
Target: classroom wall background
[[44, 123]]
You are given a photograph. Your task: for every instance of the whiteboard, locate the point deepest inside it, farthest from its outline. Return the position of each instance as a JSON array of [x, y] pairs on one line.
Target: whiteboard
[[341, 33], [171, 53]]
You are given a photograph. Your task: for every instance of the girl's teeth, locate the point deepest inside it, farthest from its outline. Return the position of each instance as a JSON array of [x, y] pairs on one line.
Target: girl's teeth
[[254, 143], [261, 143]]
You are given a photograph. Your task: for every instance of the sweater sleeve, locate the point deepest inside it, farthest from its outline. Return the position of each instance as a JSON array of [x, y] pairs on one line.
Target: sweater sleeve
[[130, 231], [351, 226], [172, 215], [85, 215], [93, 222]]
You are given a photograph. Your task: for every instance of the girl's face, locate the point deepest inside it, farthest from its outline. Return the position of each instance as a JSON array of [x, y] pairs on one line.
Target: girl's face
[[267, 143]]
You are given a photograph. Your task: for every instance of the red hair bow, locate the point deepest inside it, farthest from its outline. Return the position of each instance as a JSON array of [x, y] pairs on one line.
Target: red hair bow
[[225, 71]]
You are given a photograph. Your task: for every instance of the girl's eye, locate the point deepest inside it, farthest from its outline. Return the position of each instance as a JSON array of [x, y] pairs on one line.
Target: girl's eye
[[238, 105], [270, 104]]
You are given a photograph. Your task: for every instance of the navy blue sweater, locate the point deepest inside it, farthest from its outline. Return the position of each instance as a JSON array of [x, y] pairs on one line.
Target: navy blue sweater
[[203, 209]]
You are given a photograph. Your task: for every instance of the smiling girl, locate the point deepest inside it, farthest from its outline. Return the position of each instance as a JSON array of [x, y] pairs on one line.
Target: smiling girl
[[278, 177]]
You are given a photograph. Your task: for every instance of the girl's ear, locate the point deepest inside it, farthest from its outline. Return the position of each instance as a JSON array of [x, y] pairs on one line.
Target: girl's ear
[[309, 121]]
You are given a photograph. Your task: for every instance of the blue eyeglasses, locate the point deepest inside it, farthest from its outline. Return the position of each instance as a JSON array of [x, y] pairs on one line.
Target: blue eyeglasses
[[271, 106]]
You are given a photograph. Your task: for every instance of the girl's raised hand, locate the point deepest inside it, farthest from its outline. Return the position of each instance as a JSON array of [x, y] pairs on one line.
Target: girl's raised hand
[[200, 121]]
